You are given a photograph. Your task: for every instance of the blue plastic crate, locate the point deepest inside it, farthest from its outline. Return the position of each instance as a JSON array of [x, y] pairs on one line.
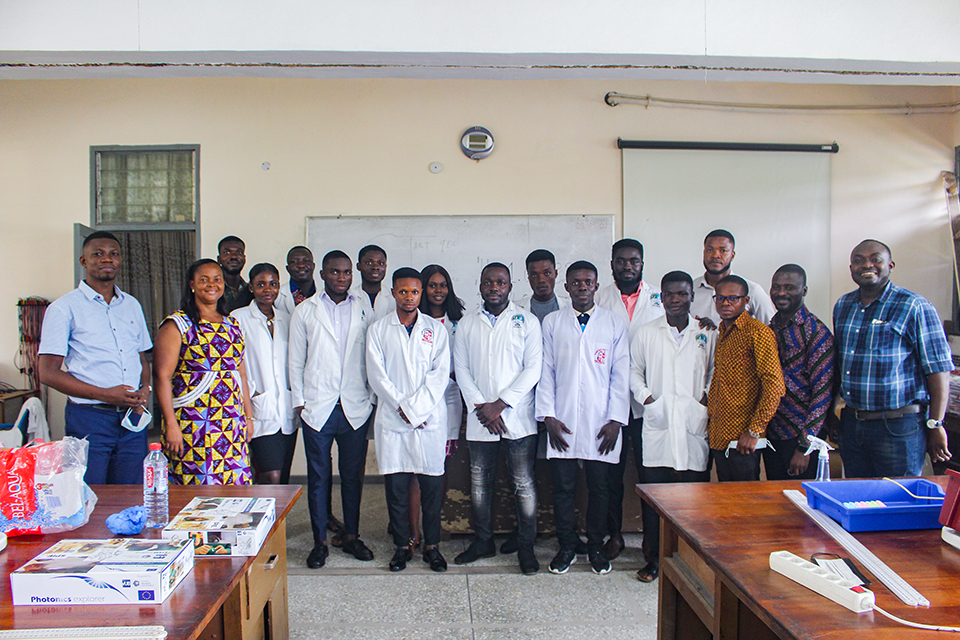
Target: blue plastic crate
[[901, 510]]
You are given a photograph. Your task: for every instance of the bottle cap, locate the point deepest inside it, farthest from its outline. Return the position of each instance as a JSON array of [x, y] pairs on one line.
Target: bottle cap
[[155, 446]]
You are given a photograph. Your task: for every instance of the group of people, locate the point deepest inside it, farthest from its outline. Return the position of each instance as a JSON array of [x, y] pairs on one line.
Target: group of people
[[695, 374]]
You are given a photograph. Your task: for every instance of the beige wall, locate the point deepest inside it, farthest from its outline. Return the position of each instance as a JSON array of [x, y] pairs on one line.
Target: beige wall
[[357, 147]]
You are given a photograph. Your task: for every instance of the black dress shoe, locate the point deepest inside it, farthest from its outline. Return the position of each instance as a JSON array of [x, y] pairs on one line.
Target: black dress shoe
[[477, 550], [511, 544], [400, 559], [528, 561], [318, 557], [614, 546], [433, 558], [357, 549]]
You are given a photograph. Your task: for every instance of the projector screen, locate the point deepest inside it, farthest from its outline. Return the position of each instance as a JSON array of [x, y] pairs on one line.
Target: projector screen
[[776, 204]]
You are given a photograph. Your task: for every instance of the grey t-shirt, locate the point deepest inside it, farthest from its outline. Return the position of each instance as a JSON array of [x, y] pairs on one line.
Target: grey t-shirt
[[542, 309]]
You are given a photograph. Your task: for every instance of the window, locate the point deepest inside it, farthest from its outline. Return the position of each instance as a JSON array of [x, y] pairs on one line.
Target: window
[[145, 185], [149, 197]]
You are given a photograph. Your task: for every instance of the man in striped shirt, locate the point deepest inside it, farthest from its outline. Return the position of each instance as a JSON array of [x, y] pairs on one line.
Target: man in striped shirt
[[806, 355], [894, 364]]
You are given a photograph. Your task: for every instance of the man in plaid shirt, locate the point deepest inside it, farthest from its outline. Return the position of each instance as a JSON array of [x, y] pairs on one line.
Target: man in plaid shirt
[[894, 364]]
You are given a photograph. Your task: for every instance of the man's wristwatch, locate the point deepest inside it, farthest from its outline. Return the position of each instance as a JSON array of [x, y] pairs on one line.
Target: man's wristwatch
[[934, 424]]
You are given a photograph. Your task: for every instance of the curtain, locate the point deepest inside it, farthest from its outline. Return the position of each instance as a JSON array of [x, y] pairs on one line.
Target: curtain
[[154, 266]]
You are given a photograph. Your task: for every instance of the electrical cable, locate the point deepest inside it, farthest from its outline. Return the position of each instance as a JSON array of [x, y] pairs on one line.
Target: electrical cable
[[913, 495], [614, 99], [916, 625]]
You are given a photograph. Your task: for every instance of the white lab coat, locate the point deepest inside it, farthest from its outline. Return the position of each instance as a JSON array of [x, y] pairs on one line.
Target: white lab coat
[[760, 305], [316, 379], [676, 376], [385, 302], [452, 395], [410, 372], [649, 307], [265, 358], [586, 379], [502, 361], [285, 299]]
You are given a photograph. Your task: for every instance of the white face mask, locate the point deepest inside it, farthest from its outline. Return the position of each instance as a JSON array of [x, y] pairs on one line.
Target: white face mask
[[134, 422]]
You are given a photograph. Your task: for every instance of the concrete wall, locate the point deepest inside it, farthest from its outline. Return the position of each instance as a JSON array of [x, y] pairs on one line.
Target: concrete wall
[[361, 147]]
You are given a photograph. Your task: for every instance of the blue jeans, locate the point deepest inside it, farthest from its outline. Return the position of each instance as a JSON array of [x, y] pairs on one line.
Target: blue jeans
[[885, 447], [352, 449], [521, 455], [115, 455]]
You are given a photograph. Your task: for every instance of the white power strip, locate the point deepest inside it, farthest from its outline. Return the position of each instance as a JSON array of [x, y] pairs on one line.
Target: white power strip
[[827, 584]]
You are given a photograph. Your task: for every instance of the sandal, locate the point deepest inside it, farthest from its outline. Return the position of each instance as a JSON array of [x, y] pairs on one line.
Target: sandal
[[649, 573]]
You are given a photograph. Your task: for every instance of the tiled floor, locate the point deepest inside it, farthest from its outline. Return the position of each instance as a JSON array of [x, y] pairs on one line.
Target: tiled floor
[[487, 600]]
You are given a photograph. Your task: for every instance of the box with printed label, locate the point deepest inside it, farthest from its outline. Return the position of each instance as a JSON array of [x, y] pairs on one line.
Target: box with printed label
[[117, 571], [224, 527]]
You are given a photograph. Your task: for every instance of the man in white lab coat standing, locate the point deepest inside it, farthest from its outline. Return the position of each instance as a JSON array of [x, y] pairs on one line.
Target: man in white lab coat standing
[[408, 362], [637, 303], [301, 285], [583, 398], [372, 265], [328, 382], [671, 366], [498, 360], [543, 300], [718, 253]]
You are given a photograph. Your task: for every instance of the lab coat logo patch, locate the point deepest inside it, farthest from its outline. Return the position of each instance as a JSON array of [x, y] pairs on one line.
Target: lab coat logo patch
[[427, 336], [517, 321], [600, 356], [655, 299], [702, 341]]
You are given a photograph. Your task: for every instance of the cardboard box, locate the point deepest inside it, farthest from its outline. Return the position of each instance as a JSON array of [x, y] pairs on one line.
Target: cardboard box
[[224, 527], [117, 571]]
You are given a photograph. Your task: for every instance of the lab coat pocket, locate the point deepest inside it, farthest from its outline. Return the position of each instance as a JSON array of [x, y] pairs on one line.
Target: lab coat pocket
[[655, 416], [696, 417], [264, 406]]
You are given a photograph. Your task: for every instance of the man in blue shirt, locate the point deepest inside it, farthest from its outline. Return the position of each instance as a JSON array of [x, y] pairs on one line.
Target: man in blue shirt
[[894, 364], [100, 334]]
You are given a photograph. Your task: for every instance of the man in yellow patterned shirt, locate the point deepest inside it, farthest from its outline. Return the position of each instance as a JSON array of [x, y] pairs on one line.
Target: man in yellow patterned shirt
[[747, 385]]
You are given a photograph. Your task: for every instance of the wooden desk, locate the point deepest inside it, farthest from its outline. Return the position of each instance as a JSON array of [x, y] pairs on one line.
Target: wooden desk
[[225, 598], [715, 577]]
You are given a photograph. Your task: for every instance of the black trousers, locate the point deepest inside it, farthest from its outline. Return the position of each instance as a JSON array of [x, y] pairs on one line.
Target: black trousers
[[397, 486], [777, 463], [598, 501], [631, 433], [651, 521], [736, 467]]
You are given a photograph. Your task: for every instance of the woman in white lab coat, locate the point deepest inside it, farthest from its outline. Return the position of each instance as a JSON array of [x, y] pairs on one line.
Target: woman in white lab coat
[[265, 328]]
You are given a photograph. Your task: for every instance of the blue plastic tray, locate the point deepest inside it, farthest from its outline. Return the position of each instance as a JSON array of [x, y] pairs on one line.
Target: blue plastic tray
[[901, 510]]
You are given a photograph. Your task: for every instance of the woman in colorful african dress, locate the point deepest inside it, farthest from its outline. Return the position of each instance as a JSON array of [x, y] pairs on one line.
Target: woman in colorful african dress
[[201, 385]]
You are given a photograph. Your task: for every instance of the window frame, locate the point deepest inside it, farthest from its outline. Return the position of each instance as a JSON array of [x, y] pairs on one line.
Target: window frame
[[147, 226]]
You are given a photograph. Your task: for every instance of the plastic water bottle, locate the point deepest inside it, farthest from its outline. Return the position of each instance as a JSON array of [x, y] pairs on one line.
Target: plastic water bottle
[[155, 493]]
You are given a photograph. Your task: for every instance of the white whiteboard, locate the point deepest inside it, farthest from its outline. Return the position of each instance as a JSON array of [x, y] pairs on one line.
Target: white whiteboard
[[464, 244], [776, 204]]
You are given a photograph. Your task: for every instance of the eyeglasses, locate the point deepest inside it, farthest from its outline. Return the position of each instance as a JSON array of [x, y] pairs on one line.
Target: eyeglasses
[[730, 299]]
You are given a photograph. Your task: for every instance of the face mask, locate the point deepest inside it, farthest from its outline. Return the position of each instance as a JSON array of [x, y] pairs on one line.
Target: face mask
[[134, 422]]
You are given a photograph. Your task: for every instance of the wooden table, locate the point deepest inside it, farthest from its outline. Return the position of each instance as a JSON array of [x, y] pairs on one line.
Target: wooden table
[[716, 581], [226, 598]]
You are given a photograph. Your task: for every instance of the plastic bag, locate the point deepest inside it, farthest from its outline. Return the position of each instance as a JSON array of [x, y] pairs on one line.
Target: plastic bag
[[42, 488]]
